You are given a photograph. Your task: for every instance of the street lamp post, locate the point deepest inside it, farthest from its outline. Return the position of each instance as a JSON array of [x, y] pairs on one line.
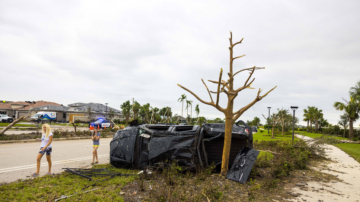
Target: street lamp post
[[269, 120], [106, 110], [294, 108]]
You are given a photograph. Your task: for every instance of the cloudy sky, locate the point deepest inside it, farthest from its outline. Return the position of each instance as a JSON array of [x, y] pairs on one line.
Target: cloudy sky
[[113, 51]]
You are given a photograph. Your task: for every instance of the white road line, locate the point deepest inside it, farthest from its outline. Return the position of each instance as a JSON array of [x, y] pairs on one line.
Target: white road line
[[4, 170]]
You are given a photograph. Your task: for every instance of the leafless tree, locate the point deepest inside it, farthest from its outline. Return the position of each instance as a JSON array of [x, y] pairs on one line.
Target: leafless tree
[[231, 92]]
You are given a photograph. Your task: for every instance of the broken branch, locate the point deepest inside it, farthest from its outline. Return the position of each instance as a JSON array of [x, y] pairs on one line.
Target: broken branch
[[197, 97], [238, 42], [257, 99], [13, 123], [218, 90], [242, 88], [207, 90], [238, 57]]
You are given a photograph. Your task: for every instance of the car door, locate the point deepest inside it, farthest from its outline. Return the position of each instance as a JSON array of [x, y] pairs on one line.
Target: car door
[[105, 124]]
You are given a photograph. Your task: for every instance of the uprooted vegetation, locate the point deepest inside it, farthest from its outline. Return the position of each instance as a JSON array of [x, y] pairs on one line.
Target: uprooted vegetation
[[284, 163]]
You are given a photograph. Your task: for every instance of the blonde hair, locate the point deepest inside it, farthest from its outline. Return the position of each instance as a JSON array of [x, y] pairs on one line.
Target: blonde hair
[[48, 129]]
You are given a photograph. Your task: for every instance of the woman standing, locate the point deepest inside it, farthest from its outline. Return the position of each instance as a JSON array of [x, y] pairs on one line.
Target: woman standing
[[46, 147], [96, 142]]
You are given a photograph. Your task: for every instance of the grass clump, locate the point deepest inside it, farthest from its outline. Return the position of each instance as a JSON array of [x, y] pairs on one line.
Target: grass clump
[[48, 188], [273, 168]]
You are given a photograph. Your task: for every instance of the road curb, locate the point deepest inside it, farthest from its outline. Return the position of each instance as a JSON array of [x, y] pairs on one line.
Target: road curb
[[33, 140]]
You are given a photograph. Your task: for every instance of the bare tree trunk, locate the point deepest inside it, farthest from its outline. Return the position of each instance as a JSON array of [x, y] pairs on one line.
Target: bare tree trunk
[[13, 123], [191, 114], [283, 128], [351, 129], [227, 145], [182, 108], [307, 127], [316, 125], [187, 114], [344, 132]]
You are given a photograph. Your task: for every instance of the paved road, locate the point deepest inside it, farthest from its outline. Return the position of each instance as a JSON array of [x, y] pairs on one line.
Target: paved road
[[19, 160]]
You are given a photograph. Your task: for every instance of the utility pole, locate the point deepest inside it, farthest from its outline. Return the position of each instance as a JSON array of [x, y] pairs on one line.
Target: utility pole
[[294, 108], [106, 110]]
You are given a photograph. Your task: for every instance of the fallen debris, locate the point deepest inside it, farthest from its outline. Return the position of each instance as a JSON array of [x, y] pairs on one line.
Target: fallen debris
[[88, 173], [65, 197]]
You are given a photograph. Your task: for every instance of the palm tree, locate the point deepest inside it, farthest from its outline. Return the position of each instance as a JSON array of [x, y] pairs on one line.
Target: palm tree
[[352, 109], [344, 122], [181, 99], [155, 110], [256, 121], [309, 117], [126, 108], [317, 116], [187, 109], [197, 110], [136, 108], [189, 103], [355, 91], [144, 112], [306, 118]]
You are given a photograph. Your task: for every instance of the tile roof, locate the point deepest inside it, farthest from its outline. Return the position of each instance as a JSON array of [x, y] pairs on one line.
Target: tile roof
[[27, 105]]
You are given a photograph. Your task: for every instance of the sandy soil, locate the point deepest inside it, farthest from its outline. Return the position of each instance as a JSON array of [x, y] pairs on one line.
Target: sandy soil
[[345, 168]]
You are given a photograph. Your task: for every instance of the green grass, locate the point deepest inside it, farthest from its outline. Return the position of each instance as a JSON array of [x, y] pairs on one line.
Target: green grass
[[312, 135], [317, 135], [352, 149], [49, 188], [18, 124], [267, 137]]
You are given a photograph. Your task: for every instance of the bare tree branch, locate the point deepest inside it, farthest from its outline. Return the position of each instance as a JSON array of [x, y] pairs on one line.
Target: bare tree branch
[[242, 70], [197, 97], [207, 90], [221, 91], [242, 88], [218, 90], [13, 123], [238, 42], [257, 99], [238, 57], [264, 117], [252, 72]]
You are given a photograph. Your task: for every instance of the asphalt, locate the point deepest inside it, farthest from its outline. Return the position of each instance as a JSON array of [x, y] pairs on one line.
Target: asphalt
[[18, 161]]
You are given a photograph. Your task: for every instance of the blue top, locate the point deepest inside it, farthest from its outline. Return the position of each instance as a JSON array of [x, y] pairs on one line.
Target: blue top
[[97, 142]]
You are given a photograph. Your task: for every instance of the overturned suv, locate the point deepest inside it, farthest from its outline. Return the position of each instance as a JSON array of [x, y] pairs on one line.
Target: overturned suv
[[190, 146]]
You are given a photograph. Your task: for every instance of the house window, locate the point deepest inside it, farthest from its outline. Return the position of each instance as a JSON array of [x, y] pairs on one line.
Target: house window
[[2, 112], [64, 115]]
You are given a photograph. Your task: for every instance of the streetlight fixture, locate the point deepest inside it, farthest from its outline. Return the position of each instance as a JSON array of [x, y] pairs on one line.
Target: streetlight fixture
[[106, 110], [269, 120], [294, 108]]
